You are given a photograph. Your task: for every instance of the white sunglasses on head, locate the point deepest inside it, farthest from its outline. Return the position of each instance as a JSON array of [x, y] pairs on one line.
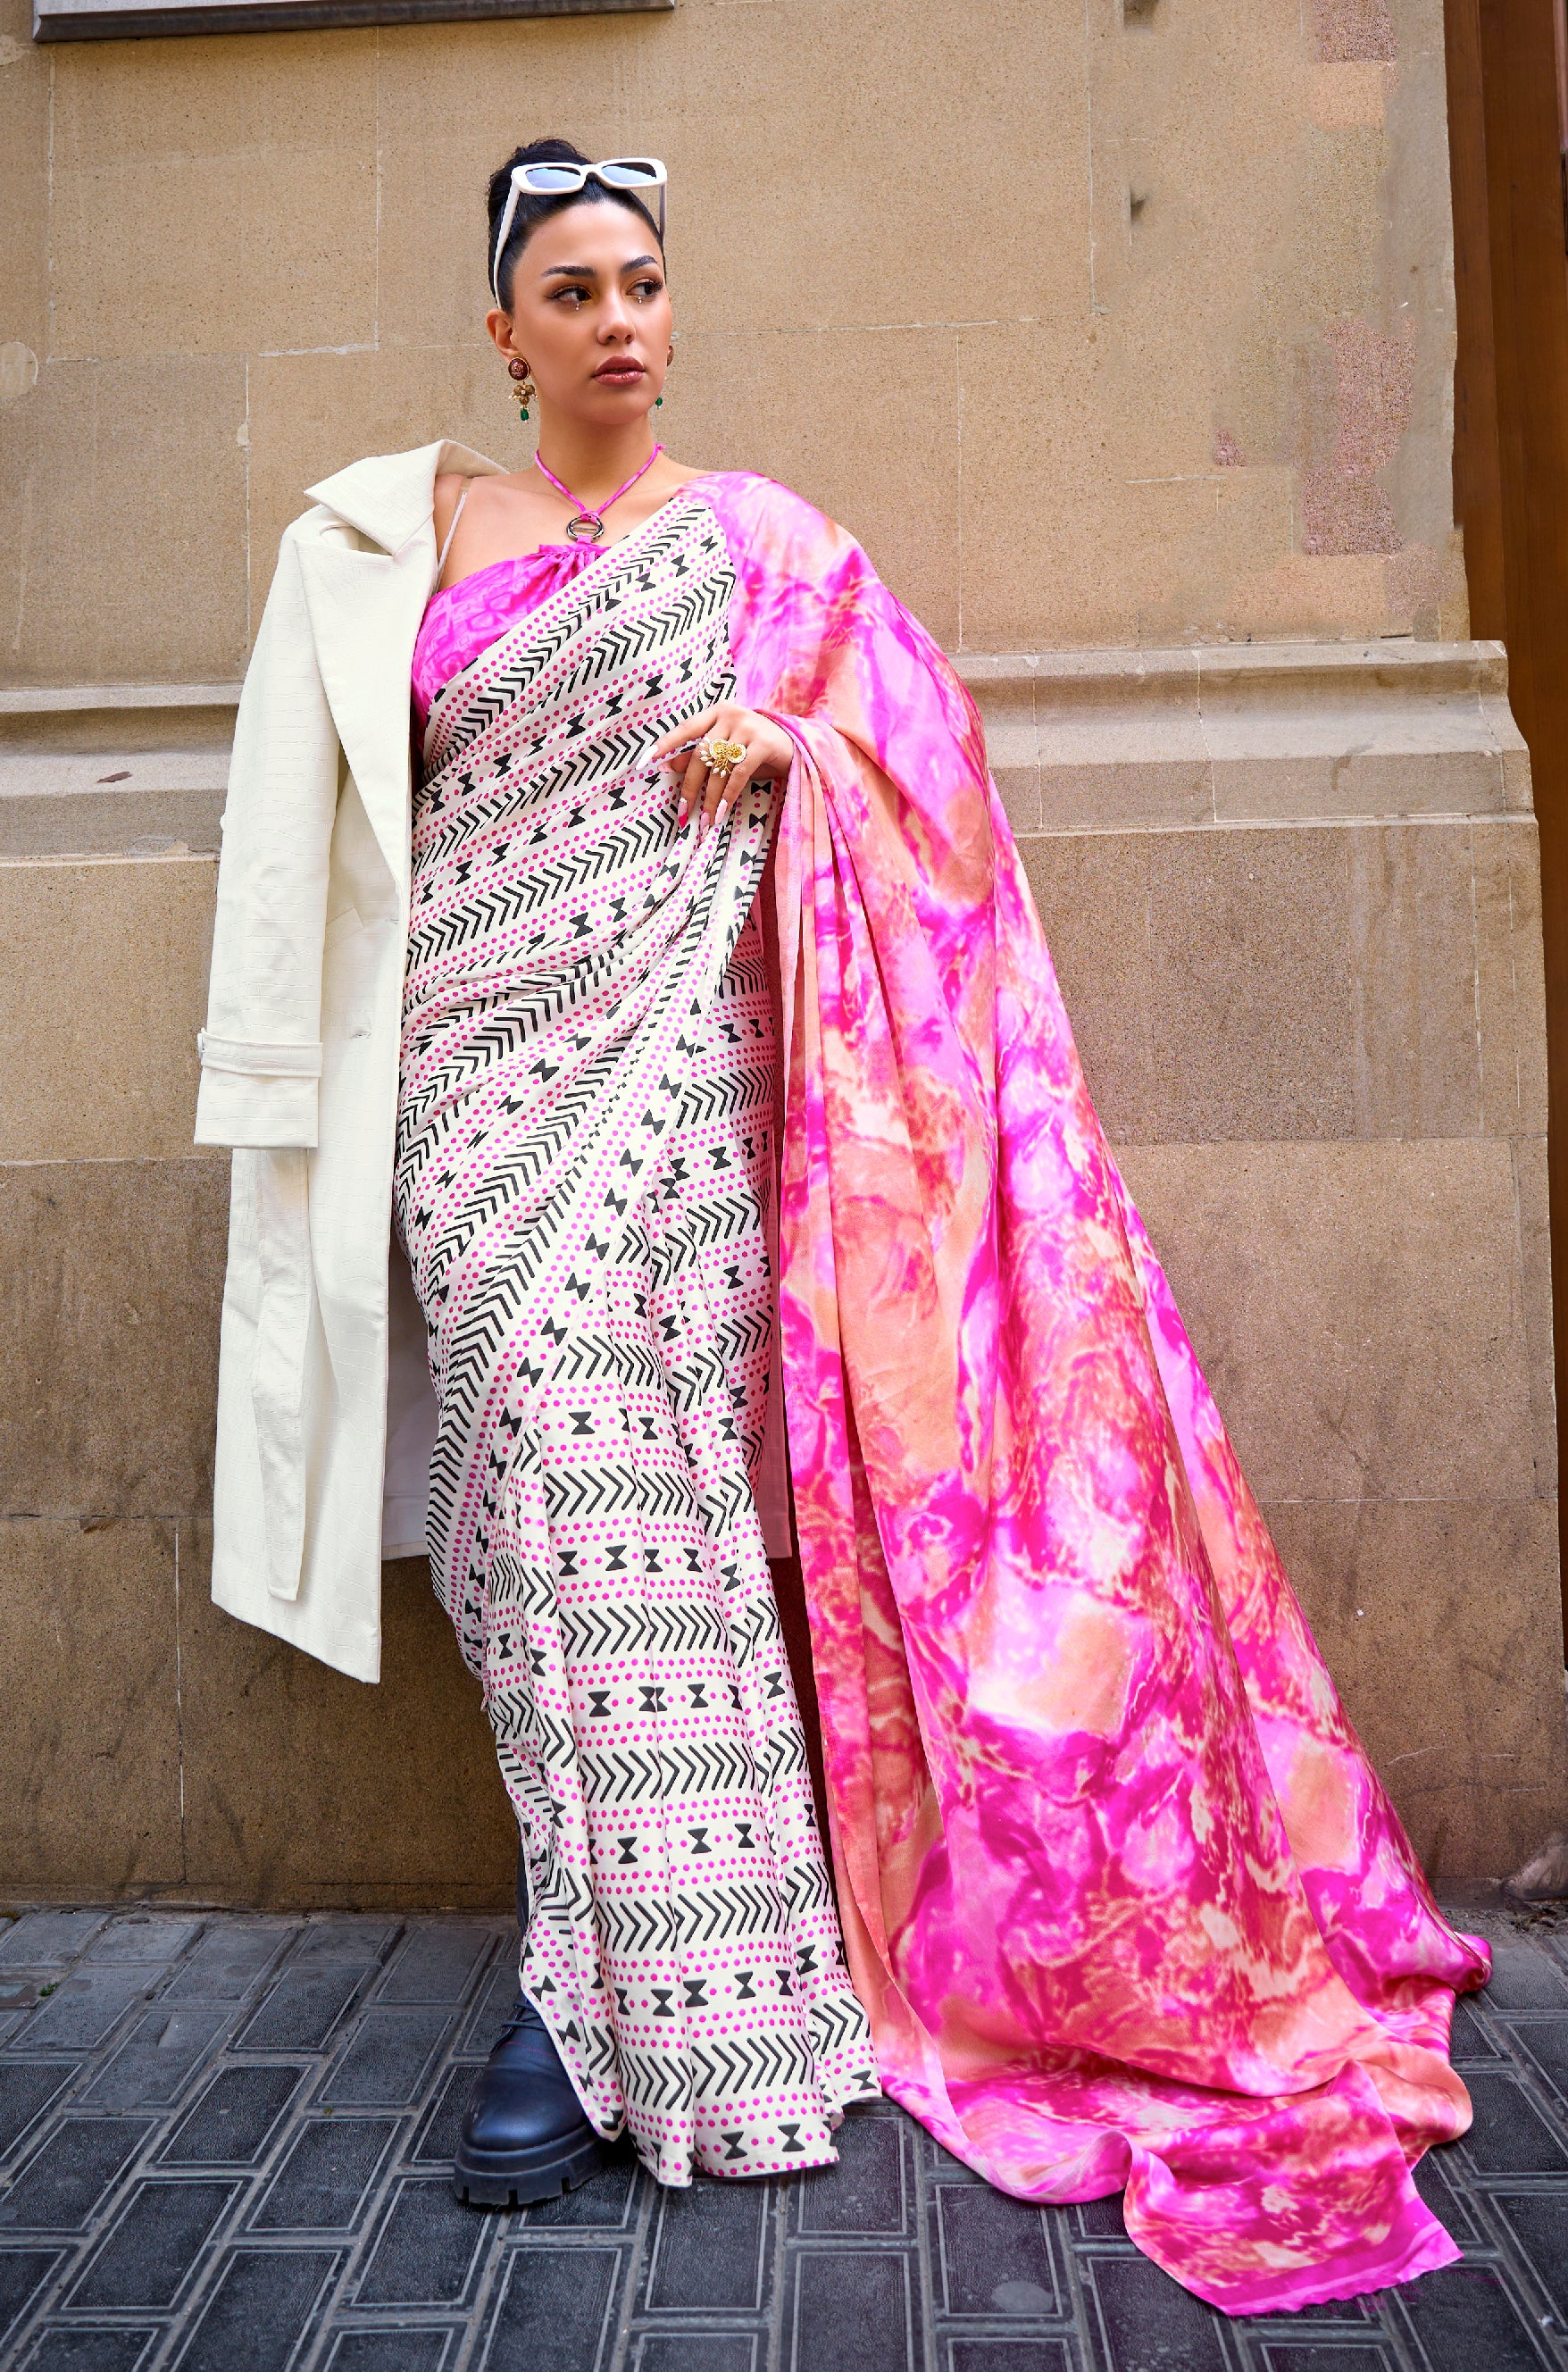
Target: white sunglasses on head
[[548, 181]]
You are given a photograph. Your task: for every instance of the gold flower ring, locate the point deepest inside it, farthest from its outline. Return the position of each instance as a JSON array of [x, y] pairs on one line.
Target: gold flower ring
[[720, 757]]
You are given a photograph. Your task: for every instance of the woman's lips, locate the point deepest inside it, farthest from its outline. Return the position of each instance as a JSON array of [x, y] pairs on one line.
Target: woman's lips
[[620, 374]]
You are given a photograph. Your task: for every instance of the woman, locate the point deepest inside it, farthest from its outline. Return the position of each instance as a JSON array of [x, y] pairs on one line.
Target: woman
[[1121, 1899]]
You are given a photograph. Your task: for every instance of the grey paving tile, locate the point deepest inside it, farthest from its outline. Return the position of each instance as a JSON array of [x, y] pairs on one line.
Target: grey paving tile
[[435, 2142], [230, 1958], [851, 2311], [1545, 2042], [301, 2009], [1324, 2356], [23, 2273], [1525, 1977], [19, 1989], [1509, 2134], [436, 1961], [1539, 2224], [429, 2246], [322, 2181], [27, 2088], [387, 2061], [143, 1937], [61, 2185], [1463, 2317], [259, 2311], [394, 2350], [710, 2247], [356, 1936], [65, 2350], [235, 2118], [1101, 2219], [1013, 2356], [993, 2255], [868, 2191], [155, 2246], [1471, 2037], [493, 2003], [153, 2064], [1439, 2177], [608, 2203], [555, 2311], [48, 1938], [700, 2351], [1151, 2324], [84, 2009]]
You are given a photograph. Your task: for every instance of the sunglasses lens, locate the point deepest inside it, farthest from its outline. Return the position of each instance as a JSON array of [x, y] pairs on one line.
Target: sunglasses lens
[[629, 172], [549, 177]]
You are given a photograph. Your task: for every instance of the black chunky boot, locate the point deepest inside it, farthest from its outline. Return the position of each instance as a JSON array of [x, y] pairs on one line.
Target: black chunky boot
[[524, 2136]]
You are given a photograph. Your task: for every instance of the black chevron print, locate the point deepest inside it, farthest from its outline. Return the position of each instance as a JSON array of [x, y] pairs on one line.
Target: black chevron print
[[585, 1164]]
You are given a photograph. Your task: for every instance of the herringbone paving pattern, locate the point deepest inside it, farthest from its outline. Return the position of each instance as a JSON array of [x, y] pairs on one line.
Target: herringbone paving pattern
[[225, 2143]]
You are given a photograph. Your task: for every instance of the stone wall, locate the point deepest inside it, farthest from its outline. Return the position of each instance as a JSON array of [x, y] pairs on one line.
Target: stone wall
[[1290, 892], [1122, 336]]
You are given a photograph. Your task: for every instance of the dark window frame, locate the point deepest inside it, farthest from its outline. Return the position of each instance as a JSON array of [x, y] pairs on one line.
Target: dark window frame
[[123, 20]]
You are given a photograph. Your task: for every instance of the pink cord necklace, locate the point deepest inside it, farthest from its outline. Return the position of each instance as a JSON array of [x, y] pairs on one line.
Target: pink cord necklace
[[589, 526]]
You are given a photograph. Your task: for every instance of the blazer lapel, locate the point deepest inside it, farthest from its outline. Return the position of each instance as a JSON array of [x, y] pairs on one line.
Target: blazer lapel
[[364, 612]]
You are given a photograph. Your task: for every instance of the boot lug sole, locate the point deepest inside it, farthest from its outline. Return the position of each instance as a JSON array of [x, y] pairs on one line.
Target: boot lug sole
[[503, 2186]]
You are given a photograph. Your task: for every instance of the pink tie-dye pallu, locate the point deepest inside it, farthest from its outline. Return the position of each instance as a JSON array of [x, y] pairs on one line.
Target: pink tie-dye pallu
[[1122, 1894]]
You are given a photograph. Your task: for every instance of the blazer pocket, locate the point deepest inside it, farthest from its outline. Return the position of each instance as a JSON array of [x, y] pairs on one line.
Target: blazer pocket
[[282, 1352], [348, 975]]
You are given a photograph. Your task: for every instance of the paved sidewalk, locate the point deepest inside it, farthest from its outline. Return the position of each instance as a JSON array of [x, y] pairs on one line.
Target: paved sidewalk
[[225, 2143]]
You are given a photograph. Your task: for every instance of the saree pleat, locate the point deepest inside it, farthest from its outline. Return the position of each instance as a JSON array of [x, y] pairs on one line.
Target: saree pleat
[[585, 1167]]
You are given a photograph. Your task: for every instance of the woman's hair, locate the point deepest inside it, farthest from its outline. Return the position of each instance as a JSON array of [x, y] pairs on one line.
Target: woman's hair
[[533, 209]]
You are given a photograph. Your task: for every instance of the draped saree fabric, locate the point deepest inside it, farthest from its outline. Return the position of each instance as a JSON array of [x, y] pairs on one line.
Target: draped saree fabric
[[1125, 1901], [585, 1164]]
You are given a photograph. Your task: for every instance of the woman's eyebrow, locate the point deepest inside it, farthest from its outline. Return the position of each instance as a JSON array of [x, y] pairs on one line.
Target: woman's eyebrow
[[577, 271]]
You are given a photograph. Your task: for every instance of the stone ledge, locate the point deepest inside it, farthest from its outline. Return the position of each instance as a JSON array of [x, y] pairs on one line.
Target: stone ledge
[[1080, 740], [1242, 733]]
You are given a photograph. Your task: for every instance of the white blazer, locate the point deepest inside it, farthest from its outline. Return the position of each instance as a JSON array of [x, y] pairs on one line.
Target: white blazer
[[326, 1416], [325, 1412]]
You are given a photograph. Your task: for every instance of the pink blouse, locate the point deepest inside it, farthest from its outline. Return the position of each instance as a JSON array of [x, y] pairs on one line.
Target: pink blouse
[[464, 619]]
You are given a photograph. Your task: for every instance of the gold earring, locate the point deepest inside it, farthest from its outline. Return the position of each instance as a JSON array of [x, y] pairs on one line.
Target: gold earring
[[524, 389]]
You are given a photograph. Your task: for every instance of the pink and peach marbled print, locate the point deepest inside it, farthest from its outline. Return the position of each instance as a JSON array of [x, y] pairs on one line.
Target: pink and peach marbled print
[[1126, 1902]]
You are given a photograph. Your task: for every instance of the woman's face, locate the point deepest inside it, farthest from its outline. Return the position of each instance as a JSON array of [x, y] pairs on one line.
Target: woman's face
[[590, 315]]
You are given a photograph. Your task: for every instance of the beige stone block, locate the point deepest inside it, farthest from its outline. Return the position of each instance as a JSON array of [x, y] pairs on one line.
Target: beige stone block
[[1358, 1309], [1250, 994], [1351, 729], [808, 408], [1307, 593], [860, 226], [1441, 1624], [1348, 95], [1510, 1004], [1092, 892], [122, 524], [1049, 557], [24, 188], [214, 197], [1535, 1262], [1125, 749], [101, 995], [363, 1794], [1414, 931], [90, 1748], [109, 1358], [1003, 691], [311, 414], [1200, 534]]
